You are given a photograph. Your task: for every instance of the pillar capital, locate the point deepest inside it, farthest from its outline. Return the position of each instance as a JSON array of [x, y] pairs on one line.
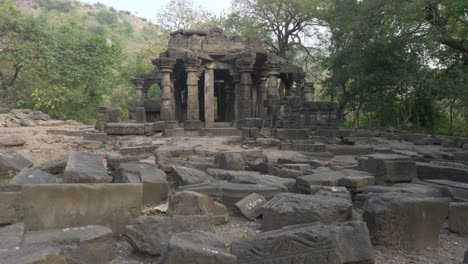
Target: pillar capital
[[165, 64], [245, 62], [192, 65], [138, 82]]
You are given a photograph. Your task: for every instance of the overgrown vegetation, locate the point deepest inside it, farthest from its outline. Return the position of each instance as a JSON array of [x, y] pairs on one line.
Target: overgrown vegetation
[[399, 63]]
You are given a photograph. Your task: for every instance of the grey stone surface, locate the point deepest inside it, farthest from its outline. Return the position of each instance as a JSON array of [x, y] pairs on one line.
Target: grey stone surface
[[458, 217], [405, 221], [81, 245], [7, 140], [252, 177], [229, 161], [251, 205], [55, 166], [150, 234], [349, 178], [447, 171], [389, 167], [111, 205], [33, 176], [193, 203], [289, 209], [196, 247], [155, 185], [39, 253], [85, 168], [11, 236], [307, 243], [10, 204], [189, 176], [12, 162]]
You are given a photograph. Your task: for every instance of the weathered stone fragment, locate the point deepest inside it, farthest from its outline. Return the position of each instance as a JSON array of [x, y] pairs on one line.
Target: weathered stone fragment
[[189, 176], [55, 166], [111, 205], [290, 209], [150, 234], [404, 221], [7, 140], [193, 203], [446, 170], [124, 129], [252, 177], [81, 245], [39, 253], [308, 243], [11, 162], [85, 168], [348, 178], [388, 167], [155, 186], [32, 176], [251, 205], [196, 247], [229, 161], [458, 217], [10, 204], [11, 236]]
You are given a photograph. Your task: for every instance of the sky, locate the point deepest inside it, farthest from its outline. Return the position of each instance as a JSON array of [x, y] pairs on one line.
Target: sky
[[149, 8]]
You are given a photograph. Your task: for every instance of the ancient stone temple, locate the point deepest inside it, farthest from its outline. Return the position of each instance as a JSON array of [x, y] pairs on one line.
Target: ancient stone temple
[[207, 78]]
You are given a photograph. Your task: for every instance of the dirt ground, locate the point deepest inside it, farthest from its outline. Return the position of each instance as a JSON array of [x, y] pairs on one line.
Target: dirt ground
[[42, 146]]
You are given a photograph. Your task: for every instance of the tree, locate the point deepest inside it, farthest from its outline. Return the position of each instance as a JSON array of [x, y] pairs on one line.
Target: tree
[[284, 26], [182, 14]]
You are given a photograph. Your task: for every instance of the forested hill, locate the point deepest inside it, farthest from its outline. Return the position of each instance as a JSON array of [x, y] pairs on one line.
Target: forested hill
[[66, 57]]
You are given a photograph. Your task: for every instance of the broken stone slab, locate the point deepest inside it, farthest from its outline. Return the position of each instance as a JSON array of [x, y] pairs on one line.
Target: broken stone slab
[[150, 234], [11, 236], [154, 180], [82, 245], [66, 132], [350, 150], [7, 140], [196, 247], [335, 191], [300, 160], [252, 177], [111, 205], [96, 136], [303, 167], [308, 243], [85, 167], [229, 193], [289, 173], [447, 171], [12, 162], [189, 176], [388, 167], [124, 129], [193, 203], [10, 204], [137, 150], [405, 221], [115, 159], [55, 166], [251, 205], [290, 209], [352, 179], [458, 217], [229, 161], [38, 253], [33, 176]]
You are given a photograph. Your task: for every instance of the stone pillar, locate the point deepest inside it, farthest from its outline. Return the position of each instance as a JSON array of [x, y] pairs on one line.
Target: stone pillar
[[263, 111], [139, 83], [140, 114], [209, 96], [254, 100], [193, 113], [299, 80], [273, 100], [167, 113], [245, 66], [309, 91], [236, 93]]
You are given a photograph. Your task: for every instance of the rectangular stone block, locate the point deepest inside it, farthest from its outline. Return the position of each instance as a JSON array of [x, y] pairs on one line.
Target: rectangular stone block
[[10, 209], [292, 134], [51, 206], [124, 129], [140, 114], [137, 150], [94, 136], [85, 168], [389, 167], [251, 205]]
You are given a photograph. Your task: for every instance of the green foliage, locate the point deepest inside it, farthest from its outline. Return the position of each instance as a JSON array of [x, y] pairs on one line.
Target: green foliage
[[107, 17], [60, 6]]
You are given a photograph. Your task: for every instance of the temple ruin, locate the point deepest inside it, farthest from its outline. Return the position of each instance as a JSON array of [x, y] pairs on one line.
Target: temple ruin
[[208, 78]]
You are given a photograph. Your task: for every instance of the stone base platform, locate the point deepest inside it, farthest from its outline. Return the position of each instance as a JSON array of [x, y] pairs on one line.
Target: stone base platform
[[211, 132]]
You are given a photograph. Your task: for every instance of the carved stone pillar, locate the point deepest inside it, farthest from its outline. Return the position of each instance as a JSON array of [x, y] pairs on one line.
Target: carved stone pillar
[[209, 95], [167, 111], [245, 66], [139, 83], [236, 94], [299, 80], [263, 110], [273, 100], [309, 91], [193, 112]]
